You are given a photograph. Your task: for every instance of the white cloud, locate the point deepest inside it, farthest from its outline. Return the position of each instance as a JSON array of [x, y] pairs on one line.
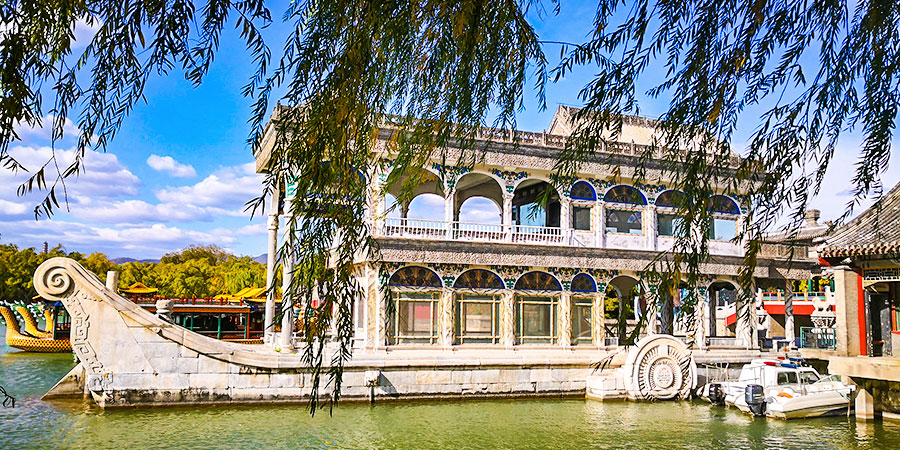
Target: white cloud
[[228, 188], [169, 165], [426, 207], [837, 188], [84, 32], [137, 241], [11, 209], [42, 129], [127, 212], [103, 176], [479, 210]]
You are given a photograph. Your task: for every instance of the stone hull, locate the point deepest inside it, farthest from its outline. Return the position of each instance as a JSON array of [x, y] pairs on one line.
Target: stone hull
[[130, 357]]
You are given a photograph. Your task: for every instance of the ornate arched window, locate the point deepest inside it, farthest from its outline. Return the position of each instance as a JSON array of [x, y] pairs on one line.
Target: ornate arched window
[[723, 228], [583, 283], [415, 276], [582, 190], [723, 205], [625, 194], [624, 220], [668, 223], [478, 313], [414, 319], [541, 281], [536, 314], [478, 279], [581, 214], [672, 199]]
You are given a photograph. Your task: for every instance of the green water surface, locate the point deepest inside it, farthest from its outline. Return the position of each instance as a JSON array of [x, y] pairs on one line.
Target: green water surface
[[512, 424]]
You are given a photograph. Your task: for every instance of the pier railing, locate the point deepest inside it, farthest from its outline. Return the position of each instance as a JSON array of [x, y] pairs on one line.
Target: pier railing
[[818, 338]]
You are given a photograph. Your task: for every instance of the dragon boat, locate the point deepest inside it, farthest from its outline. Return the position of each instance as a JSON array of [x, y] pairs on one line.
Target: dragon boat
[[32, 339]]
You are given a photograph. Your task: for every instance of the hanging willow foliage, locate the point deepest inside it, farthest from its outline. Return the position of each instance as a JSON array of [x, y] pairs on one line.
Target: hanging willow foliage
[[437, 72]]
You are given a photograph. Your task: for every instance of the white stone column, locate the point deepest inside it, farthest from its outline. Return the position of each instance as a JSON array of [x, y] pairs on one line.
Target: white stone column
[[381, 317], [373, 299], [565, 218], [377, 207], [788, 313], [287, 304], [598, 318], [754, 320], [507, 215], [446, 315], [601, 224], [112, 281], [271, 261], [744, 316], [651, 226], [653, 298], [564, 319], [507, 318], [701, 326], [449, 206]]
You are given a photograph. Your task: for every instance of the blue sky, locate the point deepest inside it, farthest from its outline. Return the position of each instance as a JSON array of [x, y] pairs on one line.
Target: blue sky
[[179, 172]]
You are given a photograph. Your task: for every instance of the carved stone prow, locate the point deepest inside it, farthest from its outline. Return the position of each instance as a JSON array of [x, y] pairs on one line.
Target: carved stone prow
[[129, 356]]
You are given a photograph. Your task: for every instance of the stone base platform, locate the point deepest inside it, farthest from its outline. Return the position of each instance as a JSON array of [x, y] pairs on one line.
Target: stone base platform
[[130, 357]]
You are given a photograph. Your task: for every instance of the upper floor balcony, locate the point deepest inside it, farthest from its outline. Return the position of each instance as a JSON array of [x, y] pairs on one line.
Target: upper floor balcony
[[504, 206]]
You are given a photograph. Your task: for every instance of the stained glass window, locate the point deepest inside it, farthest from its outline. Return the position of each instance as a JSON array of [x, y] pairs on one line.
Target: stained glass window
[[583, 283], [581, 218], [538, 281], [669, 224], [478, 279], [415, 318], [582, 309], [582, 191], [415, 276], [723, 204], [624, 221], [672, 199], [625, 194], [722, 229]]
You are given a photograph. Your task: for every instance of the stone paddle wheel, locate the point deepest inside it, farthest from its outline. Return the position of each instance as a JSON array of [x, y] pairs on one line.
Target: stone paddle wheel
[[658, 367]]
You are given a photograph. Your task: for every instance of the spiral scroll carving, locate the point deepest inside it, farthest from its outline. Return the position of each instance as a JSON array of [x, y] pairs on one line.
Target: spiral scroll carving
[[660, 367], [53, 281]]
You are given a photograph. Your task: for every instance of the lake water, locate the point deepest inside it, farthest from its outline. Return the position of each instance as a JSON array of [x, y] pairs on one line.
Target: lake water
[[513, 424]]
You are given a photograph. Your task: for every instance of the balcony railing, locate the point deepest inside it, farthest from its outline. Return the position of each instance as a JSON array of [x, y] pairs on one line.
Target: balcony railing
[[522, 234], [466, 231]]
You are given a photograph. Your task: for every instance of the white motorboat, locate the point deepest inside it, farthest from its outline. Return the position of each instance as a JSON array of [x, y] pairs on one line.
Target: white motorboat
[[783, 389], [825, 397]]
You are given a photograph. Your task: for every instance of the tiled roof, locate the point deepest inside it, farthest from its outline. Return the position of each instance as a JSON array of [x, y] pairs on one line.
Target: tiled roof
[[875, 231]]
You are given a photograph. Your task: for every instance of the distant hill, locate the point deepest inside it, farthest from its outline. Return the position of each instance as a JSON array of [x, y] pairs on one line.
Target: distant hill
[[126, 259], [260, 259]]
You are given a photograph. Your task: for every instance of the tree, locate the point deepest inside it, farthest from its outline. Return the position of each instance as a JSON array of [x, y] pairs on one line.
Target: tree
[[440, 70]]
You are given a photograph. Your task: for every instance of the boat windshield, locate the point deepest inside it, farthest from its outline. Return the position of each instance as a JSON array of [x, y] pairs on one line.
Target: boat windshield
[[787, 378], [830, 378], [808, 377]]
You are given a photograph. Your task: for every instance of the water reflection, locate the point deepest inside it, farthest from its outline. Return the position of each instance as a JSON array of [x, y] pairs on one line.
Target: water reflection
[[548, 423]]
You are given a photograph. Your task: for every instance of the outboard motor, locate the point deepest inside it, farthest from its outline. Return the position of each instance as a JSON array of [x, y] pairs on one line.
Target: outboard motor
[[756, 399], [716, 394]]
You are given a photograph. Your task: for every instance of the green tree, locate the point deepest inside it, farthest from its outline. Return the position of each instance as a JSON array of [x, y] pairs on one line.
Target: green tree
[[97, 263]]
